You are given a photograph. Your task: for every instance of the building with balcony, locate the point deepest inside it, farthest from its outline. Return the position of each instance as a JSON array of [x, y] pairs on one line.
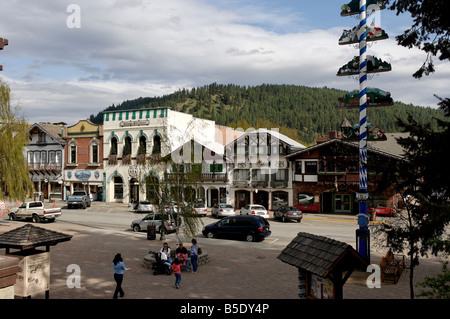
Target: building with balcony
[[137, 141], [83, 165], [326, 175], [258, 170], [45, 158], [206, 170]]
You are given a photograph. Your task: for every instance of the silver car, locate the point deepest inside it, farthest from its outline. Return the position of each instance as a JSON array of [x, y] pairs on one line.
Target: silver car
[[200, 209], [156, 220], [257, 210], [143, 206], [222, 210]]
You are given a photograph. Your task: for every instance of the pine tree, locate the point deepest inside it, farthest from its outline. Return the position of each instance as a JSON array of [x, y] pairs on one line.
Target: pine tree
[[422, 181]]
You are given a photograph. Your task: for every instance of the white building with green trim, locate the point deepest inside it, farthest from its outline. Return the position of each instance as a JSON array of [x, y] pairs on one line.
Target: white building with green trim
[[134, 141]]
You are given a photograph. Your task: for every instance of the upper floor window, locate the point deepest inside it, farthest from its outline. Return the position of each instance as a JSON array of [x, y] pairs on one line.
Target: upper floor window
[[42, 138], [127, 147], [94, 153], [310, 167], [156, 145], [142, 145], [73, 153], [298, 167], [113, 149]]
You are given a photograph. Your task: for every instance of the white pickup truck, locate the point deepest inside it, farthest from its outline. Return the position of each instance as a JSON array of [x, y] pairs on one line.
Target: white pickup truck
[[36, 212]]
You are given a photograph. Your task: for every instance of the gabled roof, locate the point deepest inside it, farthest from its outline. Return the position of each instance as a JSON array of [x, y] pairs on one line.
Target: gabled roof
[[370, 148], [319, 255], [287, 140], [212, 146], [53, 130], [30, 236]]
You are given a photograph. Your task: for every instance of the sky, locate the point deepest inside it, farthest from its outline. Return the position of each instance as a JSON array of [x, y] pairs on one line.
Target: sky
[[65, 62]]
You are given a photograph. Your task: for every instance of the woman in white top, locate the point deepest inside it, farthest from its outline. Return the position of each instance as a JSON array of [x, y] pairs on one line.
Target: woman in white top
[[167, 251]]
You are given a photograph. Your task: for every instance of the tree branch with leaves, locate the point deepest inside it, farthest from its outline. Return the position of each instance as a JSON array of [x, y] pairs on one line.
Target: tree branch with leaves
[[14, 176]]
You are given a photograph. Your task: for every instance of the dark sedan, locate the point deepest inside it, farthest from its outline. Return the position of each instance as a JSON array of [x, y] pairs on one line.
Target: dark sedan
[[250, 228], [286, 213]]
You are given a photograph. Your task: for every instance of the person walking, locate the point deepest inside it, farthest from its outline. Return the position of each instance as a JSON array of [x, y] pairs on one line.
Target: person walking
[[119, 267], [176, 268], [194, 255]]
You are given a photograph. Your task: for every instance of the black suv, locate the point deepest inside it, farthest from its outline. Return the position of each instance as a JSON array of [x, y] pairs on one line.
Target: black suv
[[250, 228]]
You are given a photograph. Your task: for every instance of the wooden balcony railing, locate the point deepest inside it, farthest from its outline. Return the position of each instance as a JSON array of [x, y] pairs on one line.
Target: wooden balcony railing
[[45, 167], [112, 159], [204, 177]]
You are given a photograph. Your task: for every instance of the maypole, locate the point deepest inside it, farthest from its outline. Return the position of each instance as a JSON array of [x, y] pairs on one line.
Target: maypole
[[363, 235], [361, 65]]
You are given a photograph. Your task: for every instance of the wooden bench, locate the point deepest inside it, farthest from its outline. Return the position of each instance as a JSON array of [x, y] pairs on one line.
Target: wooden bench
[[396, 260], [389, 271]]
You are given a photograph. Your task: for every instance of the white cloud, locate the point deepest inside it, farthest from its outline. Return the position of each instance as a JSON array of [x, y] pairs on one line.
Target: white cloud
[[128, 49]]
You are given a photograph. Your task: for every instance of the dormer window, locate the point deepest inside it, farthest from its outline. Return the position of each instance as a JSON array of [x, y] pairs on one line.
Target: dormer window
[[42, 138]]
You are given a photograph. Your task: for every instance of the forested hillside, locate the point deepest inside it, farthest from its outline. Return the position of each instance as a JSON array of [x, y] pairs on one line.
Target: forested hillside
[[303, 113]]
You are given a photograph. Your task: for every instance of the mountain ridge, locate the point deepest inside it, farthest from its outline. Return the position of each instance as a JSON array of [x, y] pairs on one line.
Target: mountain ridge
[[300, 112]]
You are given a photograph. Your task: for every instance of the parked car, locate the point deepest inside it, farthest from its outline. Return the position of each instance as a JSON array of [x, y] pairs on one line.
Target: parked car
[[222, 210], [286, 213], [257, 210], [171, 208], [250, 228], [143, 206], [380, 211], [200, 209], [156, 220], [36, 212], [79, 198]]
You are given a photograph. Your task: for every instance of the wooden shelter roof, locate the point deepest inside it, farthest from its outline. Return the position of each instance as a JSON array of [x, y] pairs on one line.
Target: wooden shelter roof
[[321, 255], [30, 236]]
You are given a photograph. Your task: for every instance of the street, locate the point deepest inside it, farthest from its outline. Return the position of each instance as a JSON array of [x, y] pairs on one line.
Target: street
[[117, 218]]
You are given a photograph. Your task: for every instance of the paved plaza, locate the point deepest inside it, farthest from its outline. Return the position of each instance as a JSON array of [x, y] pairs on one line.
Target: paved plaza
[[232, 273]]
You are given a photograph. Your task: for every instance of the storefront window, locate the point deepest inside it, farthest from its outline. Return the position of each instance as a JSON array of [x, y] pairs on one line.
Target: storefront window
[[118, 187], [279, 199]]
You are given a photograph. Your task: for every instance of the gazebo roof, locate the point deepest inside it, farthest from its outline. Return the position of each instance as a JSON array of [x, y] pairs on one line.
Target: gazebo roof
[[30, 236], [320, 255]]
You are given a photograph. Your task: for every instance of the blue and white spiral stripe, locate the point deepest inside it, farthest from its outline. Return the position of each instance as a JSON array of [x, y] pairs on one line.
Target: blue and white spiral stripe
[[362, 97]]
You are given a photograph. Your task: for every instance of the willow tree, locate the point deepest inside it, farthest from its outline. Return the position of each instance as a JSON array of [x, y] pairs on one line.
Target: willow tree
[[14, 176]]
